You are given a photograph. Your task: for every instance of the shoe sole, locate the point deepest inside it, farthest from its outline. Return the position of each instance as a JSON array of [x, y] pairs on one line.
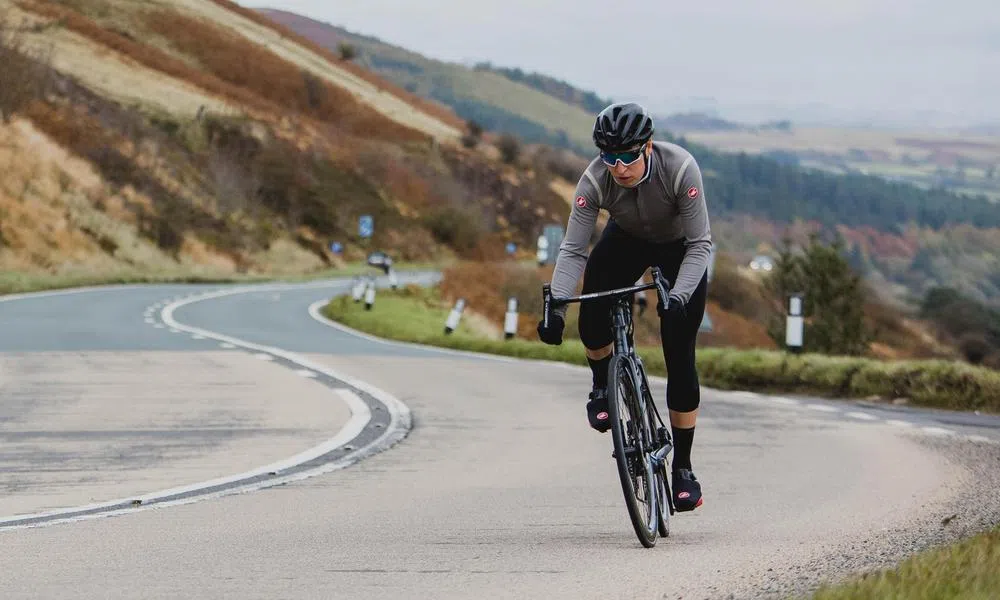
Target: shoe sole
[[679, 509]]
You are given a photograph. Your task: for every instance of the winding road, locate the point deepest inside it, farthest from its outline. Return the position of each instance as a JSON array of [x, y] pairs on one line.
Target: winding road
[[200, 441]]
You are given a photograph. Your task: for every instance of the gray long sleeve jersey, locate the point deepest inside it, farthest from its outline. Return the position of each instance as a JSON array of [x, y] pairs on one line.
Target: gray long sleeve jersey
[[668, 206]]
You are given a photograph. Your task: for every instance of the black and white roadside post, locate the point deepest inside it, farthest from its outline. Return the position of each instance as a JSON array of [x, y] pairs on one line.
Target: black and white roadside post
[[358, 290], [794, 325], [370, 295], [510, 319], [451, 323]]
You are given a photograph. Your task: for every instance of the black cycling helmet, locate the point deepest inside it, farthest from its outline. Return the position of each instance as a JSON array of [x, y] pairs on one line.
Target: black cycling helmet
[[622, 126]]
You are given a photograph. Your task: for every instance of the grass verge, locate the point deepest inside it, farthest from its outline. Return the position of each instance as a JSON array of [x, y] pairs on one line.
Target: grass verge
[[417, 315], [17, 282], [969, 570]]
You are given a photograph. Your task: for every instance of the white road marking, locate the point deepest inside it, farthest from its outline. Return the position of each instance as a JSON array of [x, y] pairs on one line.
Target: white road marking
[[197, 337], [226, 345], [937, 431], [898, 423], [783, 400], [263, 356], [305, 373], [822, 408], [399, 425], [158, 325], [862, 416]]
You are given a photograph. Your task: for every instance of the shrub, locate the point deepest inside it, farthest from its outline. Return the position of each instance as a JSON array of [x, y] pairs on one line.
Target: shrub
[[456, 227], [24, 76], [510, 148]]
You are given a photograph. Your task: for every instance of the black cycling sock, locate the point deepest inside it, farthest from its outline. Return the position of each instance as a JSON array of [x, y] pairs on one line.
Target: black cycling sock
[[683, 440], [600, 370]]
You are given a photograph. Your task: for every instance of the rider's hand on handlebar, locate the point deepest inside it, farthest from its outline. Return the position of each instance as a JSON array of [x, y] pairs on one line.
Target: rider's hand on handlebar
[[675, 308], [552, 334]]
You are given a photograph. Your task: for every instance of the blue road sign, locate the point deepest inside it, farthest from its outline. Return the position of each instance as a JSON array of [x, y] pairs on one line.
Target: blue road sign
[[511, 247], [366, 226], [336, 247]]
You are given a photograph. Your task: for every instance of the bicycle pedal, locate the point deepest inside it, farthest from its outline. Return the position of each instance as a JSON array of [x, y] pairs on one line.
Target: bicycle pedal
[[662, 436]]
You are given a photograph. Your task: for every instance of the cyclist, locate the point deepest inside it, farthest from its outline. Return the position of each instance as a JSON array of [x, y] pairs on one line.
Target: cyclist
[[654, 195]]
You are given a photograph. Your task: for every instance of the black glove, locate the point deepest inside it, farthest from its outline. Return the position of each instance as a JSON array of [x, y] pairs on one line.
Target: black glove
[[552, 334], [675, 309]]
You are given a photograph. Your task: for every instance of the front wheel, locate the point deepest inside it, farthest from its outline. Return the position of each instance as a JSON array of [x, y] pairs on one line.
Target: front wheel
[[632, 439]]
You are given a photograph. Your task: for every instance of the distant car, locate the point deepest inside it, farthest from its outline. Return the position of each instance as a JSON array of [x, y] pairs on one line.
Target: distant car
[[761, 263]]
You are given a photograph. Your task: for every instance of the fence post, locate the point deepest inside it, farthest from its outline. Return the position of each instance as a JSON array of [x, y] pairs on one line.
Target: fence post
[[794, 324], [358, 290], [510, 319], [454, 316], [370, 295]]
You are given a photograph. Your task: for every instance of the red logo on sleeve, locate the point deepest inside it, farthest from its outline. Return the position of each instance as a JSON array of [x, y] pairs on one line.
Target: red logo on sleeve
[[692, 192], [581, 201]]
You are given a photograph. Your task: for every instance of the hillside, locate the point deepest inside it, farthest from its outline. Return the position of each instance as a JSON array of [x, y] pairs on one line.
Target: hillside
[[485, 96], [200, 137], [908, 240], [203, 140]]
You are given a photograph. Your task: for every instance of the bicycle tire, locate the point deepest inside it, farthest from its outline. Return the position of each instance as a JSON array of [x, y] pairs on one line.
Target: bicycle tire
[[623, 395]]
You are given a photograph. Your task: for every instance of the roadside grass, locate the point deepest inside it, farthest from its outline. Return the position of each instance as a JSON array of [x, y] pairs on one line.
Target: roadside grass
[[969, 570], [18, 282], [414, 314]]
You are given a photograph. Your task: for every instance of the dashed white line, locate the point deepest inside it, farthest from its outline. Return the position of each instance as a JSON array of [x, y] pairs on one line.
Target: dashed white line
[[979, 438], [197, 337], [172, 330], [822, 408], [158, 325], [263, 356], [937, 431], [898, 423], [226, 345], [862, 416], [784, 401], [149, 320], [305, 373]]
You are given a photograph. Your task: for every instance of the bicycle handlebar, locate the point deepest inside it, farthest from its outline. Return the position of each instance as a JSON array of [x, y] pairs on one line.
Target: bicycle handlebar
[[549, 302]]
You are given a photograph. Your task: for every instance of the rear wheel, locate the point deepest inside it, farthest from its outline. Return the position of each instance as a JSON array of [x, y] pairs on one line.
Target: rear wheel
[[632, 439]]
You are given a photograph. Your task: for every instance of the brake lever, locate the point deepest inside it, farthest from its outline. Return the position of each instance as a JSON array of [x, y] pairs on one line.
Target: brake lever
[[662, 286]]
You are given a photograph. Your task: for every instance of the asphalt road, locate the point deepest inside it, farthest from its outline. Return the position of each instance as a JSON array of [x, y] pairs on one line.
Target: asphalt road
[[213, 441]]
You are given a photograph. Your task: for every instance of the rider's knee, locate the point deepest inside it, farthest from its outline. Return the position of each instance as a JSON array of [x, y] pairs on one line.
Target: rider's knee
[[684, 403]]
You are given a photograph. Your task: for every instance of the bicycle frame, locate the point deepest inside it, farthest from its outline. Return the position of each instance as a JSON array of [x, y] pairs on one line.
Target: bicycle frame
[[621, 324]]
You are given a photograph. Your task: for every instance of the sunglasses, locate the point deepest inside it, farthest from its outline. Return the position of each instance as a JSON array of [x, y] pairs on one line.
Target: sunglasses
[[628, 157]]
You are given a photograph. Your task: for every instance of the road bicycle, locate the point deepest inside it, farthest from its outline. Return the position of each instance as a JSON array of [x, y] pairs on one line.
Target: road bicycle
[[641, 440]]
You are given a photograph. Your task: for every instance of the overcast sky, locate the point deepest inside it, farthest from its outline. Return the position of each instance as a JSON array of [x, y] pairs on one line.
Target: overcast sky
[[917, 61]]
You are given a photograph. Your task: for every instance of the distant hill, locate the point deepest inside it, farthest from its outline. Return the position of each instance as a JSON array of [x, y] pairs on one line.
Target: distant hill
[[694, 121], [885, 220], [490, 98], [556, 88]]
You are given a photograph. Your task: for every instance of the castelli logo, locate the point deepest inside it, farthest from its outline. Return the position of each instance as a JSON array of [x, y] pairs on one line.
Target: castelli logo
[[581, 201], [692, 192]]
